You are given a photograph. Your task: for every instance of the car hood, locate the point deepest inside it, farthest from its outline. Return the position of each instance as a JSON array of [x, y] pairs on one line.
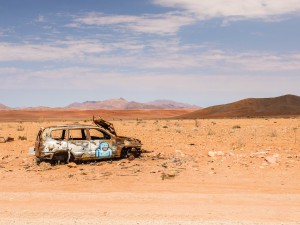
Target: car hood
[[105, 125], [127, 141]]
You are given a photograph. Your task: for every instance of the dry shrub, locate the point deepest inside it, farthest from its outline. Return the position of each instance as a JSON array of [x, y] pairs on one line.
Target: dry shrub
[[211, 132], [22, 138], [20, 128], [238, 145]]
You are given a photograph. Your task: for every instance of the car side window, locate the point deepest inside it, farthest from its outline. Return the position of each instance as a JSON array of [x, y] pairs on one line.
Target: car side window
[[77, 134], [58, 134], [96, 134]]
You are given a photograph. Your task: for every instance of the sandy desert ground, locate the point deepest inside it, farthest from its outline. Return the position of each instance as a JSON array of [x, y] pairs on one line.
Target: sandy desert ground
[[213, 171]]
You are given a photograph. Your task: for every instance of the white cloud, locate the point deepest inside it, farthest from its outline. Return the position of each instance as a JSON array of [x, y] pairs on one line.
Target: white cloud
[[239, 9], [40, 19], [4, 71], [167, 55], [163, 24], [252, 61], [4, 32], [191, 12], [65, 50]]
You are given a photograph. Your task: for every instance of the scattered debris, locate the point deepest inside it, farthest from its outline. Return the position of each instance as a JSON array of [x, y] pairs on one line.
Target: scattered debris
[[6, 139], [158, 156], [167, 176]]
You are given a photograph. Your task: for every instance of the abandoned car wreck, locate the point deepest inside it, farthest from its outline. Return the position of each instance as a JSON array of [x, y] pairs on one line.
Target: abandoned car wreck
[[66, 143]]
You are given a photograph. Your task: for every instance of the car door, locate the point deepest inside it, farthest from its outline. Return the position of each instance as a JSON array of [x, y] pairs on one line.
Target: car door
[[102, 144], [78, 142]]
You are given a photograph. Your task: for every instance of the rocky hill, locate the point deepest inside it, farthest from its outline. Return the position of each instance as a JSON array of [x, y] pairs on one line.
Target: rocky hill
[[286, 105]]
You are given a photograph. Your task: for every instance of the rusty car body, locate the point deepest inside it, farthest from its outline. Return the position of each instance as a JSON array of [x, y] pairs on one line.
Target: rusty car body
[[83, 142]]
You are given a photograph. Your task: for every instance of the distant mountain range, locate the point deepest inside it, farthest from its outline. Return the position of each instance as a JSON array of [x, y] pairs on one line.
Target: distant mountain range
[[3, 107], [123, 104], [114, 104], [287, 105]]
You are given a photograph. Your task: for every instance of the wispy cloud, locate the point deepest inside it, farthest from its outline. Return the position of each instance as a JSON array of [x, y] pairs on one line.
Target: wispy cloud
[[161, 24], [191, 12], [236, 9], [40, 19], [60, 50], [153, 55]]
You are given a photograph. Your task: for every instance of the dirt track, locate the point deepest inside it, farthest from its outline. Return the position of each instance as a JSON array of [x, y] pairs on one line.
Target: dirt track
[[196, 171]]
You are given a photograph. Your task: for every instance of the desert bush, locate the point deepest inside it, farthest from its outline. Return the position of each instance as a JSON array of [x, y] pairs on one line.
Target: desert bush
[[176, 124], [165, 126], [273, 133], [236, 127], [211, 132], [20, 128], [22, 138], [238, 145], [178, 131], [295, 133]]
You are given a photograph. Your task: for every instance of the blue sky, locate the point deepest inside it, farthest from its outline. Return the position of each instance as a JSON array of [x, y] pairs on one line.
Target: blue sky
[[211, 52]]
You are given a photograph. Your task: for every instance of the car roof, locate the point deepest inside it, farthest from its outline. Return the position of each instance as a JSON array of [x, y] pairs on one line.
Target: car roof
[[66, 126]]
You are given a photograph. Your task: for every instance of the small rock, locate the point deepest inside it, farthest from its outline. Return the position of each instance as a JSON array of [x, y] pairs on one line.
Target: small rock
[[165, 165], [167, 176], [45, 166], [220, 153], [131, 157], [211, 153], [271, 160], [179, 153], [72, 165]]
